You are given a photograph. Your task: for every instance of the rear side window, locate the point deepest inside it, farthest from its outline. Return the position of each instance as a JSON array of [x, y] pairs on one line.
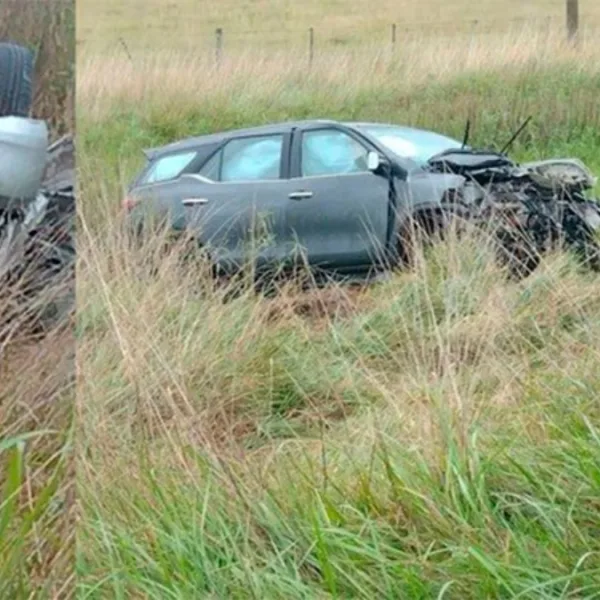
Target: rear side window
[[168, 167], [252, 158]]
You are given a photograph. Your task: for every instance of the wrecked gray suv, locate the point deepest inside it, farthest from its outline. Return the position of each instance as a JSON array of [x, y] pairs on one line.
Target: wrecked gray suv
[[37, 203], [348, 197]]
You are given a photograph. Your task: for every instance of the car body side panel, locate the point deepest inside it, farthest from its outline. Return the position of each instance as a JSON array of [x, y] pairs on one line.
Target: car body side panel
[[237, 222], [343, 224], [425, 190]]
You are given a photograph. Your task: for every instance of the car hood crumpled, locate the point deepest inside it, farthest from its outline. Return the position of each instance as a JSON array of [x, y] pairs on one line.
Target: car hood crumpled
[[561, 173]]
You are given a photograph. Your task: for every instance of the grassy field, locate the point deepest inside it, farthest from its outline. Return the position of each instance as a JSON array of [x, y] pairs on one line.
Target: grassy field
[[37, 375], [256, 23], [433, 436]]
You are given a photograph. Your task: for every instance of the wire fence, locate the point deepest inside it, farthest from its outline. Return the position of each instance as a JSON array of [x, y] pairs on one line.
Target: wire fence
[[218, 41]]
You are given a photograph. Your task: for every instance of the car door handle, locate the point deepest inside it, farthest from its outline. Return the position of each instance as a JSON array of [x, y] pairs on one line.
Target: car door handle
[[300, 195], [194, 201]]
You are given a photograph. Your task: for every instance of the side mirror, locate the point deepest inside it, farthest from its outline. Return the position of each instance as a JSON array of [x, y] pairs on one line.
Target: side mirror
[[373, 161]]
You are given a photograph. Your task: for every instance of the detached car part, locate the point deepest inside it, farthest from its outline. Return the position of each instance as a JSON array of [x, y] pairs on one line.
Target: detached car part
[[37, 202]]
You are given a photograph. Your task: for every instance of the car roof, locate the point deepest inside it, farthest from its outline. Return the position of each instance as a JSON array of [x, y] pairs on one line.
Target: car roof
[[272, 128], [410, 132], [365, 124], [218, 138]]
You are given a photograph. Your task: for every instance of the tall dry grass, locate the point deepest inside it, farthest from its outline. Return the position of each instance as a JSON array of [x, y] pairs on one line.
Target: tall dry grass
[[496, 80], [37, 476], [162, 78], [242, 446], [37, 372]]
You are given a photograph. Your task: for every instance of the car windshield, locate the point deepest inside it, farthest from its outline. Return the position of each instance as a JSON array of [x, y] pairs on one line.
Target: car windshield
[[412, 144]]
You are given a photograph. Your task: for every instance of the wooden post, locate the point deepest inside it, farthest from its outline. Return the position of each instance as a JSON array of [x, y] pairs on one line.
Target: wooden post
[[572, 19], [474, 26], [124, 45], [219, 45], [311, 46], [393, 35]]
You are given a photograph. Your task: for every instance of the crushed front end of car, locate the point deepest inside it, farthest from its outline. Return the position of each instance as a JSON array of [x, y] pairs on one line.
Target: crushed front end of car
[[529, 209]]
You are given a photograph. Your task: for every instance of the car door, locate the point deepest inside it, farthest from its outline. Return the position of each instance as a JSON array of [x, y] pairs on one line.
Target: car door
[[236, 203], [337, 211]]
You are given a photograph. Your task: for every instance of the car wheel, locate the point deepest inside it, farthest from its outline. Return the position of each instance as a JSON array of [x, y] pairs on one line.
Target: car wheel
[[581, 237], [517, 253], [16, 75]]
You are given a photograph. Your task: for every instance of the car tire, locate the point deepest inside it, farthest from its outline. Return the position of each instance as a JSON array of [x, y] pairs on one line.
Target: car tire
[[517, 253], [582, 240], [16, 77]]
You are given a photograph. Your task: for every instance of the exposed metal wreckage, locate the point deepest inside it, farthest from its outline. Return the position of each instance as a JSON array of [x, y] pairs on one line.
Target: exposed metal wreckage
[[529, 209], [37, 241]]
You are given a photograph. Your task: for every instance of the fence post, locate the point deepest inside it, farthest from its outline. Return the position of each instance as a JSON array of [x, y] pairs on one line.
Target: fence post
[[572, 19], [474, 32], [393, 36], [219, 45], [311, 46], [124, 45]]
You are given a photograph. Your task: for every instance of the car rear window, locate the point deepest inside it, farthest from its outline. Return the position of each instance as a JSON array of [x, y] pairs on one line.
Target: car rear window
[[168, 167]]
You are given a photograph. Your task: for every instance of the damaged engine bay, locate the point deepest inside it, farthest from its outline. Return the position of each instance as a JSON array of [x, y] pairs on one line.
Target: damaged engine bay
[[529, 209]]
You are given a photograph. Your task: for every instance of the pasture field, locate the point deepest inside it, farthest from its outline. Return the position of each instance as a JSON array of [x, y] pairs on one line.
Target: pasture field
[[37, 376], [256, 23], [436, 435]]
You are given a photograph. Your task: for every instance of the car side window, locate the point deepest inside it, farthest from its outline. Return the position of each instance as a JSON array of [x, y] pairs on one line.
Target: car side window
[[168, 167], [332, 152], [252, 158]]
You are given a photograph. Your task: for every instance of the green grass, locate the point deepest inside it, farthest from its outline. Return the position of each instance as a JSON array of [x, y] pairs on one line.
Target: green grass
[[433, 436], [433, 439]]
